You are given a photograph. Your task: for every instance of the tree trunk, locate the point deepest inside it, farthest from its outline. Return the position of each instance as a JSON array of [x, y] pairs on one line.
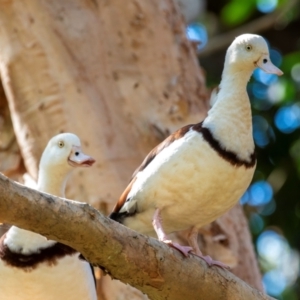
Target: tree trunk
[[119, 74]]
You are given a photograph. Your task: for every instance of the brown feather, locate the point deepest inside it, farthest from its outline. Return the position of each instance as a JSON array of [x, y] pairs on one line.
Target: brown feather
[[155, 151], [123, 197]]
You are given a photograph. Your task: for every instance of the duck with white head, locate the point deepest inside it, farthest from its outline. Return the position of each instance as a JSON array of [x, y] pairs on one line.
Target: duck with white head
[[33, 267], [199, 172]]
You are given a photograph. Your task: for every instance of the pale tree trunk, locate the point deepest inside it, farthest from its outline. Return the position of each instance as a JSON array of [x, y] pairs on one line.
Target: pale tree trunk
[[11, 163], [122, 76]]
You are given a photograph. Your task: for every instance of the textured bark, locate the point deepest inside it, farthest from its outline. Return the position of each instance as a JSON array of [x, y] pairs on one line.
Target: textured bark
[[10, 156], [151, 266], [119, 74], [11, 163]]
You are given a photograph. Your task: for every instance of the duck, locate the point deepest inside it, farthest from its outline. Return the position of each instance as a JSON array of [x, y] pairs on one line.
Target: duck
[[201, 170], [33, 267]]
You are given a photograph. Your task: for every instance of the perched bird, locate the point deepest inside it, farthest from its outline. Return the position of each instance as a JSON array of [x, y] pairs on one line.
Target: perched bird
[[200, 171], [33, 267]]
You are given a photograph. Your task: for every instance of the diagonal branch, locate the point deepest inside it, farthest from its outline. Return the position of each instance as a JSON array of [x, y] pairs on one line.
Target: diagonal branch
[[143, 262]]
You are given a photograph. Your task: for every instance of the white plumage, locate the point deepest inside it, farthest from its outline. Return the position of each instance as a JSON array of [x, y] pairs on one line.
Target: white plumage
[[34, 268], [186, 181], [202, 170]]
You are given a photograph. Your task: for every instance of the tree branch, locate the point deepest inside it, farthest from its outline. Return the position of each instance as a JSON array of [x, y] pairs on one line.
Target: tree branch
[[143, 262]]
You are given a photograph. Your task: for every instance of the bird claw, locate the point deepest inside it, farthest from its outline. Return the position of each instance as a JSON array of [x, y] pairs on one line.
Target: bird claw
[[212, 262], [185, 250]]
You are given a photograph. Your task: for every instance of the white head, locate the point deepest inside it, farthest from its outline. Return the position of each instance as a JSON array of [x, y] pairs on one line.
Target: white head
[[62, 153], [249, 51]]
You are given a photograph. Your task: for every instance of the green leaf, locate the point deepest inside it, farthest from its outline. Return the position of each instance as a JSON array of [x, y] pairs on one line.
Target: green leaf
[[289, 61], [236, 12]]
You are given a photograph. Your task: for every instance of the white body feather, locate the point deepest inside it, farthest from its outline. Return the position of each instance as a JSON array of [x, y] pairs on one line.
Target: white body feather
[[70, 278], [190, 184]]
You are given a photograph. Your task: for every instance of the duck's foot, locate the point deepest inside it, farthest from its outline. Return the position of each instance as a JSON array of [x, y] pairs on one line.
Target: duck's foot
[[192, 238], [163, 237], [212, 262], [185, 250]]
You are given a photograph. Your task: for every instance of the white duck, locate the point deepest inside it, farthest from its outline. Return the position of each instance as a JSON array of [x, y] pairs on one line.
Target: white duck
[[32, 267], [200, 171]]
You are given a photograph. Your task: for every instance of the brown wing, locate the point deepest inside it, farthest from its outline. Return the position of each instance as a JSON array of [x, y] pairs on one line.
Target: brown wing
[[155, 151], [171, 138], [123, 197], [2, 246]]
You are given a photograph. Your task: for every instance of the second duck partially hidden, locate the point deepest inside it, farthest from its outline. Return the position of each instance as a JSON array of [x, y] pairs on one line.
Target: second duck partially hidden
[[200, 171], [33, 267]]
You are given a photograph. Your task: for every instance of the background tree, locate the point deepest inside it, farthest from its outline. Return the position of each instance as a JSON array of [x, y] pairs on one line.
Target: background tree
[[122, 75]]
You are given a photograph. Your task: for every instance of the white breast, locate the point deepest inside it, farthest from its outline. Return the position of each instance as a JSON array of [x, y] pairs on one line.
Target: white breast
[[69, 279], [190, 183]]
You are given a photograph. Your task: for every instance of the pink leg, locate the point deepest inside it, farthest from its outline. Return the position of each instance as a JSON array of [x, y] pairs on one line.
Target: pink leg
[[192, 239], [156, 222]]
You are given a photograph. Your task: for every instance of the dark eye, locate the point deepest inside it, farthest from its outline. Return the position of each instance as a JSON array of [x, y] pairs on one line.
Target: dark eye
[[265, 61], [248, 47], [76, 153], [61, 144]]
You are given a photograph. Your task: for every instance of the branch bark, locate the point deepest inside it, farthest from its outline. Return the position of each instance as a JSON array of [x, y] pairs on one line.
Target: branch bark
[[143, 262]]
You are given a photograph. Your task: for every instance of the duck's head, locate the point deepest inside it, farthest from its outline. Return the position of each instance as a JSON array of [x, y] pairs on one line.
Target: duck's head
[[250, 51], [63, 152]]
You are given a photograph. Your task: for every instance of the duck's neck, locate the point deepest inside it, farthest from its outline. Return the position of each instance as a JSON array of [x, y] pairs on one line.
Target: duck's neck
[[230, 118], [27, 242], [54, 185], [232, 98]]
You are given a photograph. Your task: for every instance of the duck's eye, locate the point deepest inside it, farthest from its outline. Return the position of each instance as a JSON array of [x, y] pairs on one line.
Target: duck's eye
[[76, 153], [265, 61], [61, 144], [248, 47]]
